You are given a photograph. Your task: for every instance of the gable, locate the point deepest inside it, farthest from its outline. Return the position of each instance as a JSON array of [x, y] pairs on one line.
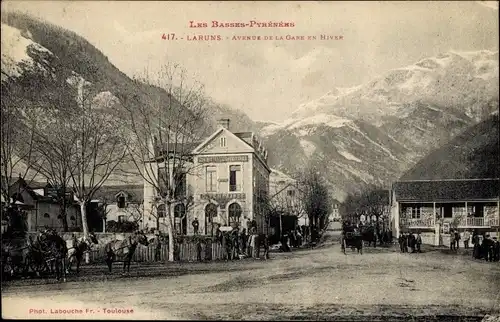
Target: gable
[[233, 144]]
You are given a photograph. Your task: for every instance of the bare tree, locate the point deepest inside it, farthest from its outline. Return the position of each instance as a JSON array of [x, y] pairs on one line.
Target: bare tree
[[17, 139], [372, 201], [54, 146], [287, 200], [165, 129], [317, 202], [100, 145]]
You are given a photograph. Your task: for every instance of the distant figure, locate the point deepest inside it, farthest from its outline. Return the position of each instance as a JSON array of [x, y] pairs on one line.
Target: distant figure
[[196, 225], [488, 248], [457, 239], [418, 242], [475, 245], [466, 239], [452, 240], [496, 249], [400, 241], [411, 242]]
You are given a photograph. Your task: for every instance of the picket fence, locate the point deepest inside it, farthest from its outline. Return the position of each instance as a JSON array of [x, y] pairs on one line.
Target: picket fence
[[188, 252]]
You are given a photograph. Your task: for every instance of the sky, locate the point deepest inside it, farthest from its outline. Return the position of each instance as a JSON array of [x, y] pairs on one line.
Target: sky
[[269, 79]]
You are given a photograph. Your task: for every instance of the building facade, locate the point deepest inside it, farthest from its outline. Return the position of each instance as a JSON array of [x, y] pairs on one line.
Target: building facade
[[42, 208], [122, 203], [226, 185], [435, 207]]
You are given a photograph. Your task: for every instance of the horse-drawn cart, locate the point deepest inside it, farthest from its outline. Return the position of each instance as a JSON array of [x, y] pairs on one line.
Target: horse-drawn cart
[[353, 240]]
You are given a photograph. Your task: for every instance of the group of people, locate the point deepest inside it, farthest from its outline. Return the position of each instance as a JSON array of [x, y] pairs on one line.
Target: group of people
[[240, 243], [485, 247], [410, 243]]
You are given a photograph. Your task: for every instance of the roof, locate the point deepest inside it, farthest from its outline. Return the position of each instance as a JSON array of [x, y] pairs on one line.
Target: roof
[[181, 148], [443, 190], [135, 192]]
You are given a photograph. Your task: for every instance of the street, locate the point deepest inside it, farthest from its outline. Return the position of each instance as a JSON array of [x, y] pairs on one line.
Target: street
[[321, 283]]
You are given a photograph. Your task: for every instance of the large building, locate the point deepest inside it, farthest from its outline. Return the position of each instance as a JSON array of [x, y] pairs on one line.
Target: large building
[[434, 207], [228, 181]]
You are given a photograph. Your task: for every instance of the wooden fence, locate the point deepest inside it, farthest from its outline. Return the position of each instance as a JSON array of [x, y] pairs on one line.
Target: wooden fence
[[189, 252]]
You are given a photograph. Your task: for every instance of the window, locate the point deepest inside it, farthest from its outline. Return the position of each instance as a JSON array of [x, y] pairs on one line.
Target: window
[[163, 181], [415, 212], [234, 213], [234, 178], [223, 142], [46, 215], [121, 202], [291, 193], [121, 218], [211, 179], [180, 219], [210, 214], [161, 211], [180, 185]]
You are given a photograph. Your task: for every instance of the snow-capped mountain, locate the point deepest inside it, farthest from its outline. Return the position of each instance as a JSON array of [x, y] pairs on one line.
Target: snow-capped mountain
[[372, 133], [460, 80]]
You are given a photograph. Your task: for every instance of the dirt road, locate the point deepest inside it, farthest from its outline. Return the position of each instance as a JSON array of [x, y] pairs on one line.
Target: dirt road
[[311, 284]]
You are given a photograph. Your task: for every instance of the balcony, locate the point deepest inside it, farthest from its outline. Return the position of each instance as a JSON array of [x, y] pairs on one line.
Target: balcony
[[478, 222], [417, 222], [471, 222]]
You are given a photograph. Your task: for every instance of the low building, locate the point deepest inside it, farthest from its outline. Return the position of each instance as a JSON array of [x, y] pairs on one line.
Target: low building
[[227, 185], [434, 207], [123, 203], [286, 204], [42, 207]]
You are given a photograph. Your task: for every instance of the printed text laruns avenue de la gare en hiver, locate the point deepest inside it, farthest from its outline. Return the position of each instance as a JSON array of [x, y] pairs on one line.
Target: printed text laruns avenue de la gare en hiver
[[253, 24]]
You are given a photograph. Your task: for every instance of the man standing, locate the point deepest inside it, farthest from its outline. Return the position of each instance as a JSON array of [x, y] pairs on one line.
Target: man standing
[[466, 239], [457, 239], [496, 250], [452, 240], [195, 224], [418, 242], [475, 243]]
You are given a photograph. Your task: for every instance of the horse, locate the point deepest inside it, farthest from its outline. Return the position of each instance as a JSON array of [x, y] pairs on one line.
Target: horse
[[76, 249], [368, 234], [352, 240], [124, 249], [20, 255], [54, 247]]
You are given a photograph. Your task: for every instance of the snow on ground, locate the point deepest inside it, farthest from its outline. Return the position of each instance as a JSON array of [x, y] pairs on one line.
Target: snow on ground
[[319, 119], [15, 51], [349, 156], [312, 121]]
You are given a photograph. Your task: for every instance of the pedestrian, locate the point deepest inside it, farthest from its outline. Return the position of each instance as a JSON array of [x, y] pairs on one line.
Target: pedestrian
[[466, 239], [157, 248], [400, 241], [419, 242], [475, 245], [496, 249], [411, 242], [195, 224], [488, 248], [457, 239], [452, 240]]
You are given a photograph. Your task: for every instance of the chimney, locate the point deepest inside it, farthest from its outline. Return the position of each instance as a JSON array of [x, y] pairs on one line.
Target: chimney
[[224, 123]]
